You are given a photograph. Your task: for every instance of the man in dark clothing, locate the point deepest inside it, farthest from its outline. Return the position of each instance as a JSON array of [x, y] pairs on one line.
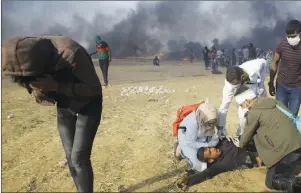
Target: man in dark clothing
[[276, 137], [288, 81], [252, 52], [240, 56], [233, 57], [226, 156], [104, 57], [156, 61], [57, 70], [206, 57]]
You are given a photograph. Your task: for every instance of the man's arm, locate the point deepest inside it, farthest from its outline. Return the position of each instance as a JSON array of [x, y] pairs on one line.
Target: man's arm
[[93, 53], [251, 126], [262, 77], [84, 70], [228, 93], [191, 136], [109, 53], [274, 67], [209, 173]]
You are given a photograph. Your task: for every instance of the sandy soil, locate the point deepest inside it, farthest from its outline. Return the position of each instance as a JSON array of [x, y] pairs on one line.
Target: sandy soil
[[133, 146]]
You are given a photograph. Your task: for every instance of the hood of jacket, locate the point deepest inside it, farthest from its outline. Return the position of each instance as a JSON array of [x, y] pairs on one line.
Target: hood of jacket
[[34, 56]]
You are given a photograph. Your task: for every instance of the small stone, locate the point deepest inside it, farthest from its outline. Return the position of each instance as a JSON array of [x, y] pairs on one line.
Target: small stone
[[10, 116], [63, 163]]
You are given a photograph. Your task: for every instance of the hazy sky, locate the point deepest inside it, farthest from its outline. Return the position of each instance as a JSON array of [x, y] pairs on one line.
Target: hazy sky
[[195, 21]]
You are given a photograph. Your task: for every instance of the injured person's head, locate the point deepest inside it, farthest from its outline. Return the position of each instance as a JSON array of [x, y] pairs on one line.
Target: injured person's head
[[245, 97], [208, 154]]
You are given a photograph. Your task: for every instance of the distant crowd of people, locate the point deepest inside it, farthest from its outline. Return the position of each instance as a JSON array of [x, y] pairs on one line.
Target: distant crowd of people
[[214, 58]]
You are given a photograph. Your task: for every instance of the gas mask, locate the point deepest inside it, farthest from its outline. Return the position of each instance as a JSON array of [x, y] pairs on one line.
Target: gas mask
[[293, 41]]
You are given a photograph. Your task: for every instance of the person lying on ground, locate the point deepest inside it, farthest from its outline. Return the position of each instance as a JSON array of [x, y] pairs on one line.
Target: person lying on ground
[[57, 70], [226, 156], [197, 130], [276, 138], [252, 74]]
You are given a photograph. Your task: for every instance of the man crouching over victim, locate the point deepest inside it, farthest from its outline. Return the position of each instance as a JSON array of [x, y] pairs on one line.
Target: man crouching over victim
[[276, 138], [197, 130], [226, 156]]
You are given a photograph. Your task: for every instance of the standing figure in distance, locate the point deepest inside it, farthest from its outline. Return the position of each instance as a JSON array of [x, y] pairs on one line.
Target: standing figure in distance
[[104, 57]]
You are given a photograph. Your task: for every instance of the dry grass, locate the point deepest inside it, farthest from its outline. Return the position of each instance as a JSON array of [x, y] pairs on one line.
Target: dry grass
[[133, 146]]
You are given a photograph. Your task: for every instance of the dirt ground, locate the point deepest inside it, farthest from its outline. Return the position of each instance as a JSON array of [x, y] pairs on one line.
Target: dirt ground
[[133, 146]]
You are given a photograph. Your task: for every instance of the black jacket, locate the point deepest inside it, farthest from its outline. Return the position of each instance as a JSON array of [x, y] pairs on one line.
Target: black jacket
[[232, 158]]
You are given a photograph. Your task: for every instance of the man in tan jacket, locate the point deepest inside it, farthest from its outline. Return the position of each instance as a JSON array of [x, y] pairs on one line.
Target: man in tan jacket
[[276, 137], [57, 70]]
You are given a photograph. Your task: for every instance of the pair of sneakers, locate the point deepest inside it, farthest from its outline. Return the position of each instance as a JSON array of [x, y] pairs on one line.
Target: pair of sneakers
[[106, 85]]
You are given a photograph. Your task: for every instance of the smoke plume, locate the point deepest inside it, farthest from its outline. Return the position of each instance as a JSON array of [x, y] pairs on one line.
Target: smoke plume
[[149, 28]]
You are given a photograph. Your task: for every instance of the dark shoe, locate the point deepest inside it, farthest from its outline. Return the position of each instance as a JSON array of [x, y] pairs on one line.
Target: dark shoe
[[216, 72], [291, 184], [175, 147], [297, 185]]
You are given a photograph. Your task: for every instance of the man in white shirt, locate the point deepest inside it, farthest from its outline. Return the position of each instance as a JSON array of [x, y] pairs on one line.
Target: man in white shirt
[[252, 74]]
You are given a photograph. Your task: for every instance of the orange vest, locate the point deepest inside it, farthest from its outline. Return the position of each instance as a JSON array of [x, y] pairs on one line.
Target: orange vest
[[181, 114]]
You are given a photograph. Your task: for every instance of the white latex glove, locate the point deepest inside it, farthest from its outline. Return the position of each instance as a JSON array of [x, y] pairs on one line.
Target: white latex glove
[[234, 140], [261, 92]]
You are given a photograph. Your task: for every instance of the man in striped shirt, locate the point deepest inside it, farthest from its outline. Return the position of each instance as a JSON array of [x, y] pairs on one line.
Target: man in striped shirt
[[288, 82]]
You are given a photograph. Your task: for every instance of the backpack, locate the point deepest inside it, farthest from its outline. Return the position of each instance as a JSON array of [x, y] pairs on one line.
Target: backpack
[[181, 114], [296, 120]]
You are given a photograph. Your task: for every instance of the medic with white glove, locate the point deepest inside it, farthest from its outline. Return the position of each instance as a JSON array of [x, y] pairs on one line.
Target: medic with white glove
[[252, 74]]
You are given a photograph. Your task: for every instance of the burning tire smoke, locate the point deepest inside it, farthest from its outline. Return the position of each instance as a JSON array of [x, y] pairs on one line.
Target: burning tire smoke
[[151, 28]]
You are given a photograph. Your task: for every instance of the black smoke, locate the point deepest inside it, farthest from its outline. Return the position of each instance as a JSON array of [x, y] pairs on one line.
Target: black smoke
[[168, 26]]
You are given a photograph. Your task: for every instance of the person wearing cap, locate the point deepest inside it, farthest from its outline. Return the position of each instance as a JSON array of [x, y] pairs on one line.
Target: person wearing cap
[[251, 73], [197, 130], [276, 137], [226, 156], [104, 57]]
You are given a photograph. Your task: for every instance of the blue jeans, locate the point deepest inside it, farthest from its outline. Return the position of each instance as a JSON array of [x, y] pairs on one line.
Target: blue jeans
[[214, 65], [77, 133], [290, 97]]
